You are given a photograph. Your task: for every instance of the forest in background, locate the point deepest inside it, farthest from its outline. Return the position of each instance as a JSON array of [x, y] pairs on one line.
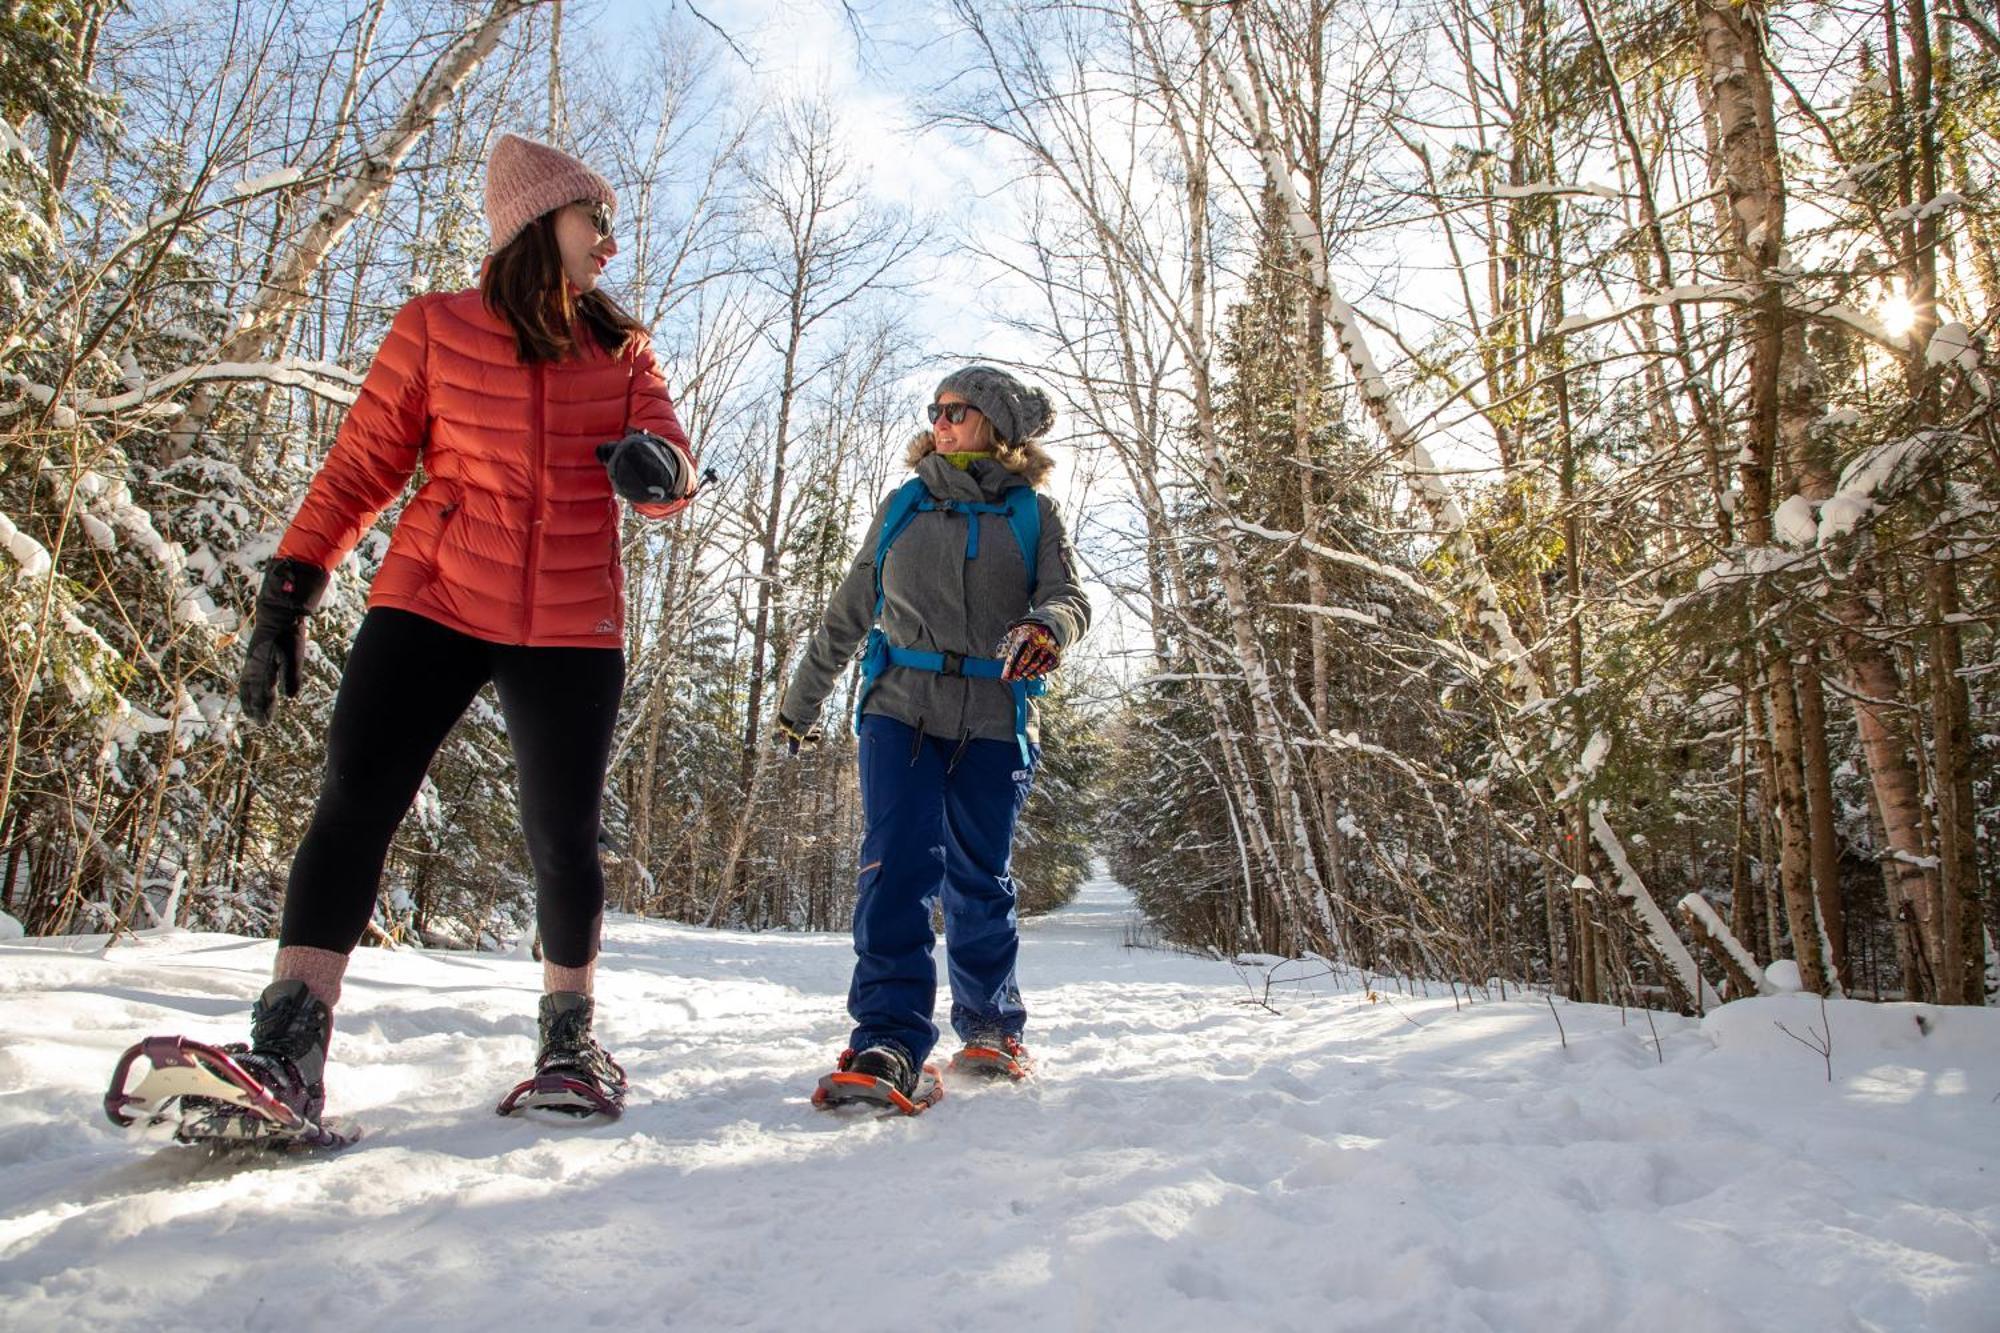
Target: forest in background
[[1548, 453]]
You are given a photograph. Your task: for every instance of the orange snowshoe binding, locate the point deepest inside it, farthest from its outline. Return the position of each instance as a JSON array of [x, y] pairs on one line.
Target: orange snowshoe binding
[[882, 1077], [994, 1055]]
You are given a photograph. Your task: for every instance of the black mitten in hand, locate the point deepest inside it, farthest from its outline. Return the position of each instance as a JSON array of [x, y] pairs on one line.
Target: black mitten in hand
[[646, 469], [277, 653]]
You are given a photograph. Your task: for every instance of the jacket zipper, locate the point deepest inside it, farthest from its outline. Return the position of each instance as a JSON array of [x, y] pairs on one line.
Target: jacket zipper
[[965, 628], [539, 447]]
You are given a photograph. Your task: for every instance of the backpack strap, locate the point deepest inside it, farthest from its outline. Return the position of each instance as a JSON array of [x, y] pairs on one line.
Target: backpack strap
[[1024, 516], [1023, 512], [903, 506]]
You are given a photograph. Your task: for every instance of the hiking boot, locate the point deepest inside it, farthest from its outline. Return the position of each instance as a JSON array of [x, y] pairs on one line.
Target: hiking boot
[[886, 1064], [994, 1053], [883, 1076], [573, 1074], [569, 1050], [289, 1032]]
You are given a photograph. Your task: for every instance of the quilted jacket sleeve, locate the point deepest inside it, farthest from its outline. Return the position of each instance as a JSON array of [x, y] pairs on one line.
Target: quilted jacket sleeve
[[653, 410], [849, 615], [374, 453], [1059, 600]]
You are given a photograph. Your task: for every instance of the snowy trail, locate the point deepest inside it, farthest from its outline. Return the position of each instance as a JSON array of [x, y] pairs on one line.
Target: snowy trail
[[1187, 1161]]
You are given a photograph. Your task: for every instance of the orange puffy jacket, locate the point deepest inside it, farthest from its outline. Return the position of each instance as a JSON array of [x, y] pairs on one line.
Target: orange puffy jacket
[[513, 537]]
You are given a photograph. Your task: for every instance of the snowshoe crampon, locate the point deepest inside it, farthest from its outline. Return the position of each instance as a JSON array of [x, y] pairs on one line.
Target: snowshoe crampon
[[857, 1088], [565, 1095], [212, 1099], [1002, 1058]]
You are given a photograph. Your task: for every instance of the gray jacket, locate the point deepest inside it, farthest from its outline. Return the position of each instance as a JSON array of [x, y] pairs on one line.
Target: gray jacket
[[936, 600]]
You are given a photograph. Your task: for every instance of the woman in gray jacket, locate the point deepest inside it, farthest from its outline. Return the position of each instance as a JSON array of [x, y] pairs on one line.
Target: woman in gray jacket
[[964, 560]]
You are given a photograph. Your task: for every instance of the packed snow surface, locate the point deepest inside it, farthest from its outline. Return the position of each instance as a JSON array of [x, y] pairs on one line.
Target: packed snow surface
[[1346, 1158]]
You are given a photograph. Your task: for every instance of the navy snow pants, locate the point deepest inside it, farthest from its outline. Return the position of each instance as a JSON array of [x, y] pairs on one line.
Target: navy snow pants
[[935, 827]]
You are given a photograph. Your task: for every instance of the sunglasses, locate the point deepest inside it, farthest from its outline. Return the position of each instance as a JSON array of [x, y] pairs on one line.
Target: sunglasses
[[952, 412], [600, 217]]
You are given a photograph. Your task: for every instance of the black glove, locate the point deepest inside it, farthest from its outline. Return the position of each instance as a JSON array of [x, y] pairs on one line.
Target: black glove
[[277, 652], [646, 469], [795, 737]]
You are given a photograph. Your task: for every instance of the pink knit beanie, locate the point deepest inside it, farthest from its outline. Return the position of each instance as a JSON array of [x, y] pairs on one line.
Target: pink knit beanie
[[525, 179]]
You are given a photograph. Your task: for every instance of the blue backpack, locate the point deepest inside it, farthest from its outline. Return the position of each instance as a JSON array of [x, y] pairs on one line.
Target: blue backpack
[[1024, 517]]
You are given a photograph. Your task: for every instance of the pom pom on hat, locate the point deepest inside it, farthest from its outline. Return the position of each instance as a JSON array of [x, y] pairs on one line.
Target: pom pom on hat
[[1018, 413], [526, 178]]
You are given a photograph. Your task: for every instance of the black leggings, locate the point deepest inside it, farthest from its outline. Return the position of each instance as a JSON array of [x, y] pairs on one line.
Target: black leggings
[[407, 682]]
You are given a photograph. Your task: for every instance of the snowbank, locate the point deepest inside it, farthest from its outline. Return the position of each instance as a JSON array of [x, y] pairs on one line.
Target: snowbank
[[1946, 1042]]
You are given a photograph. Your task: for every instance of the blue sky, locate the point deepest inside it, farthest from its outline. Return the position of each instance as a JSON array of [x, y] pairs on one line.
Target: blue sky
[[798, 46]]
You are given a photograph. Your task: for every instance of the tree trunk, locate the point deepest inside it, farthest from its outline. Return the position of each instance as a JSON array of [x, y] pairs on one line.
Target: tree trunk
[[1961, 947], [1825, 837], [1742, 893], [1752, 181]]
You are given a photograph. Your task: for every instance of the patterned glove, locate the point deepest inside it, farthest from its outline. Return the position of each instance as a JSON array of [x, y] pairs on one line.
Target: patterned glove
[[1029, 651], [277, 653], [794, 737], [646, 469]]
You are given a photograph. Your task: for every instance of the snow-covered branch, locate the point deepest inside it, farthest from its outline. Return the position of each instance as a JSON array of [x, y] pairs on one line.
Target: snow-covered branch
[[29, 554], [335, 384], [1721, 941], [1346, 613], [1535, 189], [322, 379], [1400, 577], [1633, 890]]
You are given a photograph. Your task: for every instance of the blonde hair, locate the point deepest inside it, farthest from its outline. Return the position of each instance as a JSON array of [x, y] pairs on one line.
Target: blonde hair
[[1027, 460]]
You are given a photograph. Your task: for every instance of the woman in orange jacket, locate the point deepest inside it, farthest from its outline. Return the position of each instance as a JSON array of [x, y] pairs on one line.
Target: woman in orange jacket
[[533, 403]]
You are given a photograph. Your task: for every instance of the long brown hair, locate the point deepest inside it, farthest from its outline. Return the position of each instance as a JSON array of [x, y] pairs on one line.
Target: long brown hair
[[524, 285]]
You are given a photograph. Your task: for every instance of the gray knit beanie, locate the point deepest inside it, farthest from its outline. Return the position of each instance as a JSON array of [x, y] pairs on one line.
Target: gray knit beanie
[[1018, 413]]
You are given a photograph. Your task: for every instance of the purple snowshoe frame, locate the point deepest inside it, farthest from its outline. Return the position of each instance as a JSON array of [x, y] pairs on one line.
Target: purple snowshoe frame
[[560, 1092], [182, 1068]]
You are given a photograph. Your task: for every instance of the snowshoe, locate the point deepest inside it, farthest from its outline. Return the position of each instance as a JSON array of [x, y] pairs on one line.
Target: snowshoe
[[881, 1077], [269, 1093], [994, 1055], [574, 1075]]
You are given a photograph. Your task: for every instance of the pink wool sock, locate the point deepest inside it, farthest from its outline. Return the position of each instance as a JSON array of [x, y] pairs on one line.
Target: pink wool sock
[[556, 977], [320, 969]]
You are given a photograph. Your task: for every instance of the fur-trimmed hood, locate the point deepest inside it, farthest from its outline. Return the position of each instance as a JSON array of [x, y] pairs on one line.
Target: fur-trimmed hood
[[1028, 461]]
